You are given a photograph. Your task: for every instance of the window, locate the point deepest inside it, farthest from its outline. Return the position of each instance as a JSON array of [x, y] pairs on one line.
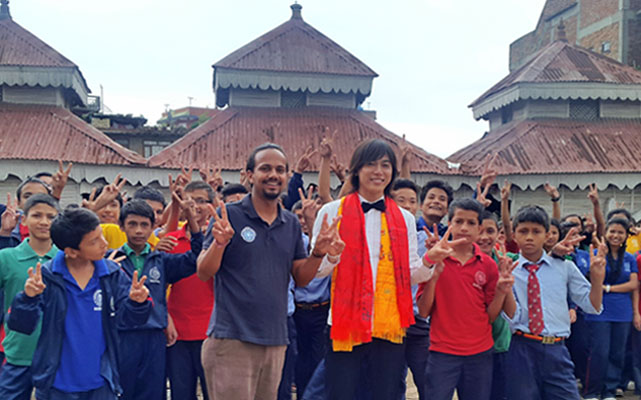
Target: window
[[506, 114], [292, 99], [122, 141], [584, 110], [605, 47], [153, 147]]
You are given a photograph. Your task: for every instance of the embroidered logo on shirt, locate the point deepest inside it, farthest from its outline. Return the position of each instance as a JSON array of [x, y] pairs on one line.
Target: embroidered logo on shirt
[[154, 275], [248, 234], [479, 279], [97, 300]]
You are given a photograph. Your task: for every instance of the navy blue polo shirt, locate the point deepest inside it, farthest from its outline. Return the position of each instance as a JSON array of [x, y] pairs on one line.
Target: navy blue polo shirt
[[84, 341], [251, 285]]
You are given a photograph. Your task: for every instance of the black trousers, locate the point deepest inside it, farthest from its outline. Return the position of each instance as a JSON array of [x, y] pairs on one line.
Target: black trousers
[[311, 326], [384, 363]]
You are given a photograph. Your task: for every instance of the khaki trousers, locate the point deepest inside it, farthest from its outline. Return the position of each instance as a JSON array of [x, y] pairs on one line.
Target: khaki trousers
[[236, 370]]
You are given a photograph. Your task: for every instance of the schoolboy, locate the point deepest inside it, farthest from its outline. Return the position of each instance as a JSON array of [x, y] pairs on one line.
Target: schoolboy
[[82, 298], [155, 199], [464, 296], [501, 333], [417, 341], [436, 197], [39, 212], [143, 370], [12, 234], [189, 304], [233, 192], [538, 363]]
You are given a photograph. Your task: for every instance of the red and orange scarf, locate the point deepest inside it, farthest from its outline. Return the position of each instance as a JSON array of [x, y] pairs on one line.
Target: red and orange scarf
[[353, 291]]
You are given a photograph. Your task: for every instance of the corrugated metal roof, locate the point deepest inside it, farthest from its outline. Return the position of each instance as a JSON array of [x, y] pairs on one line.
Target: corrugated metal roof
[[563, 62], [20, 47], [557, 147], [295, 46], [30, 132], [227, 139]]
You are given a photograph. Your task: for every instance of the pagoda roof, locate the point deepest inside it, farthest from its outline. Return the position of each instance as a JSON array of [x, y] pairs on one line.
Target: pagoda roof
[[25, 60], [563, 71], [229, 137], [294, 56]]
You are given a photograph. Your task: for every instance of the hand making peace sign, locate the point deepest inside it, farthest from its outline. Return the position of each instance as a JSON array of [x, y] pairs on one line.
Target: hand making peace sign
[[506, 279], [329, 240], [138, 292], [443, 248], [598, 261], [34, 284], [222, 229]]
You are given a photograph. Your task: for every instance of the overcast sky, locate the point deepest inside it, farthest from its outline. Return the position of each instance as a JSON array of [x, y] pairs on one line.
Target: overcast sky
[[433, 57]]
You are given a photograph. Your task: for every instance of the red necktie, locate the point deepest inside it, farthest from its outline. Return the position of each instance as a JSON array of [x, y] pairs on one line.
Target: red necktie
[[535, 312]]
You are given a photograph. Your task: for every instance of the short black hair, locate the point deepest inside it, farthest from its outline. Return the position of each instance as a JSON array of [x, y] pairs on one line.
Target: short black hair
[[620, 211], [137, 207], [297, 206], [201, 185], [467, 204], [439, 184], [555, 222], [533, 214], [489, 215], [41, 174], [565, 228], [251, 160], [402, 183], [98, 191], [71, 225], [368, 151], [40, 198], [149, 193], [233, 188], [31, 179], [564, 219]]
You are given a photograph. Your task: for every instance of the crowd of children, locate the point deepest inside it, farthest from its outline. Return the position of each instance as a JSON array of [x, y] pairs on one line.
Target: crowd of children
[[254, 290]]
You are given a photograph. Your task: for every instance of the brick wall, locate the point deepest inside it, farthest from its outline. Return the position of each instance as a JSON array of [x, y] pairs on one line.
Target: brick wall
[[595, 10], [595, 40]]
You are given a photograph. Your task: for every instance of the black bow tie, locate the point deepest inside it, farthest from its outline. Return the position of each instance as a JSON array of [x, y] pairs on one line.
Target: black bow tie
[[378, 205]]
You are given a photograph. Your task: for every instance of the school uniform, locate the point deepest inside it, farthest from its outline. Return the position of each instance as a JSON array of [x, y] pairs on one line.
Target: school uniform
[[15, 375], [291, 354], [538, 363], [189, 304], [77, 353], [577, 343], [460, 330], [608, 335], [143, 370]]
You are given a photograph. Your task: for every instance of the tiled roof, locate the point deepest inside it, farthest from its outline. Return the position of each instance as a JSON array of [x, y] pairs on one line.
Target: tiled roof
[[30, 132], [19, 47], [557, 147], [227, 139], [295, 46], [563, 62]]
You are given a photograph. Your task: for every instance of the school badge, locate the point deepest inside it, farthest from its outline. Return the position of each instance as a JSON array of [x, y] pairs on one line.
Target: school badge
[[97, 300], [479, 279], [154, 275], [248, 234]]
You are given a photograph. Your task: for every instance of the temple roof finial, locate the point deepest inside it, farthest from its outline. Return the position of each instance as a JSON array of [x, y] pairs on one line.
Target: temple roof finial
[[560, 32], [296, 13], [4, 9]]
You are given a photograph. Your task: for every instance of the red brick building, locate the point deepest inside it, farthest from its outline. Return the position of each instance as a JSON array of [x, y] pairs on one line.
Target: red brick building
[[608, 27]]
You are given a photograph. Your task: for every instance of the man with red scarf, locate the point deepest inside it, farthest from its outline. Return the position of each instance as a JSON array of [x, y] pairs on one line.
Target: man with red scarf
[[371, 300]]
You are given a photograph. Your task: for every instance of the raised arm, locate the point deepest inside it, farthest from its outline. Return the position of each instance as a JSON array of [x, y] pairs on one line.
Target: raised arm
[[324, 171], [405, 159], [593, 195], [209, 261], [505, 211], [59, 179], [555, 196]]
